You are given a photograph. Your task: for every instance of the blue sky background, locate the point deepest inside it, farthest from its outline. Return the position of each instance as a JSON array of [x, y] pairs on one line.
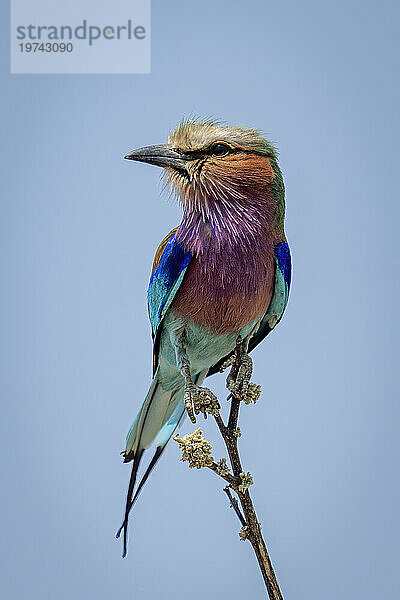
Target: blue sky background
[[79, 230]]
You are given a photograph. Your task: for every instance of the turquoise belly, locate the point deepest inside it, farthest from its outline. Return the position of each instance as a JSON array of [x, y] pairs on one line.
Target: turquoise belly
[[203, 348]]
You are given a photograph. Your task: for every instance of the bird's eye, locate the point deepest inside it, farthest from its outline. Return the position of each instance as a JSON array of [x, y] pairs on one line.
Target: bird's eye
[[220, 149]]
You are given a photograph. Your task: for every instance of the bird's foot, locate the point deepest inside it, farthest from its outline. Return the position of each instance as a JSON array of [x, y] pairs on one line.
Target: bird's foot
[[198, 399], [238, 380]]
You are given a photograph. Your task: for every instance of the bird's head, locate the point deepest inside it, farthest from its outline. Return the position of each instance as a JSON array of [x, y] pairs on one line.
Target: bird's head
[[214, 169]]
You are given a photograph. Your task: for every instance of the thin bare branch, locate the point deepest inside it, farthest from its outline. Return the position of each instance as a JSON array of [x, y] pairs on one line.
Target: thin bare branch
[[235, 505], [238, 481]]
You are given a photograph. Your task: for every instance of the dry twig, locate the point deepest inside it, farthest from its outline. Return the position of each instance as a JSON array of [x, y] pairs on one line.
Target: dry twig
[[197, 451]]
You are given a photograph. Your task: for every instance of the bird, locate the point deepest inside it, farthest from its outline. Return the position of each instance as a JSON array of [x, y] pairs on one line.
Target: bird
[[220, 279]]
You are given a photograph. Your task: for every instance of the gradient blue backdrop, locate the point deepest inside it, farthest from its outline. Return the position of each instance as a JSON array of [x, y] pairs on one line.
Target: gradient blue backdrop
[[79, 229]]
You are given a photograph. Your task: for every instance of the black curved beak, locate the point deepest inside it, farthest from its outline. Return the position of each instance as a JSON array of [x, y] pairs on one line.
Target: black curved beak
[[161, 155]]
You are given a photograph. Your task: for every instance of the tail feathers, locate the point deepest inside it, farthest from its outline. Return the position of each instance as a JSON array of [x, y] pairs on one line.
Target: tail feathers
[[155, 410], [172, 423], [173, 414], [161, 442], [129, 501], [135, 434], [152, 464]]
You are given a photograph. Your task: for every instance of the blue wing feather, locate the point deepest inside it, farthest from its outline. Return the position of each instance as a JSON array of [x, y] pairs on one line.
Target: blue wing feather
[[165, 280], [280, 296], [282, 254]]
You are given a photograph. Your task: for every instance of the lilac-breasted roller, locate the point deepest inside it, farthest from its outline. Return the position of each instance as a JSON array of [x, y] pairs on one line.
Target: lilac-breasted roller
[[220, 279]]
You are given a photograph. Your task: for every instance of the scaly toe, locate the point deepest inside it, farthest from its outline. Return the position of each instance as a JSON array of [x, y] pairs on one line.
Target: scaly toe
[[228, 362], [239, 385], [189, 400], [199, 400], [207, 402]]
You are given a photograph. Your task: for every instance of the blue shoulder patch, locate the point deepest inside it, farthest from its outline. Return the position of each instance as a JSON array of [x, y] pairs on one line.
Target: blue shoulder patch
[[282, 253], [164, 280]]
